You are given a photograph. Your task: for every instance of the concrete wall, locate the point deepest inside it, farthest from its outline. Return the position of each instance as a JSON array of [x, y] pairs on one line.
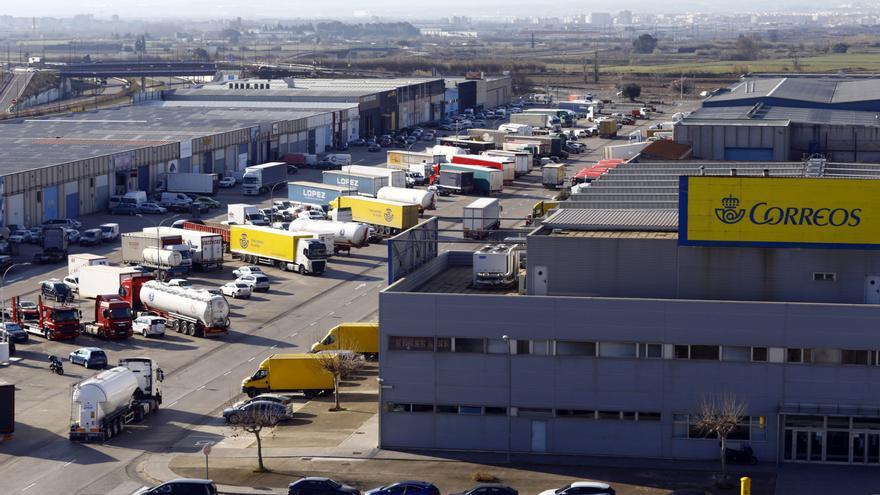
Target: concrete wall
[[709, 141], [842, 142]]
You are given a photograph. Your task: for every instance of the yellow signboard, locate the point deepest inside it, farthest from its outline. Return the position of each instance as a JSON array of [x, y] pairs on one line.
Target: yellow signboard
[[771, 211]]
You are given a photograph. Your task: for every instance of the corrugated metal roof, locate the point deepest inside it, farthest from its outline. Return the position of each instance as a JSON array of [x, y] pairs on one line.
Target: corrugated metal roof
[[817, 90], [617, 220], [776, 115]]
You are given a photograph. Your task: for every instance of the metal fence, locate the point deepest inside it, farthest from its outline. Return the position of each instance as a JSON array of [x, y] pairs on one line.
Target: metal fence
[[412, 248]]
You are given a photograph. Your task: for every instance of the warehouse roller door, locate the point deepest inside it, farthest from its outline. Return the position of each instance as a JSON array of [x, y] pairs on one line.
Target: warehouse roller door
[[50, 203], [71, 200], [102, 193], [748, 154], [15, 209], [144, 178]]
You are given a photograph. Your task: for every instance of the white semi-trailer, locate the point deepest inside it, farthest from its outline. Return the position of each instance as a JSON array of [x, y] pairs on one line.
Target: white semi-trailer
[[425, 199], [206, 248], [102, 405], [346, 235], [191, 311]]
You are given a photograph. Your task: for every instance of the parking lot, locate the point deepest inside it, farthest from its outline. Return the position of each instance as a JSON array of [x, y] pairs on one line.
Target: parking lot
[[204, 374]]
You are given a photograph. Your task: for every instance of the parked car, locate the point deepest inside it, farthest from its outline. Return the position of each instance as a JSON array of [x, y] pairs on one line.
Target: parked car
[[236, 290], [109, 231], [14, 333], [274, 412], [178, 224], [55, 290], [279, 398], [152, 208], [91, 237], [182, 486], [90, 357], [36, 235], [149, 326], [63, 222], [405, 487], [187, 207], [247, 270], [72, 282], [358, 142], [374, 148], [20, 236], [227, 182], [257, 282], [312, 214], [124, 209], [320, 486], [489, 489], [582, 488], [210, 202]]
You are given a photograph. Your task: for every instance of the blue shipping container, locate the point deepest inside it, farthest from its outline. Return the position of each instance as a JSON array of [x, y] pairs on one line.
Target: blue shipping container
[[317, 194]]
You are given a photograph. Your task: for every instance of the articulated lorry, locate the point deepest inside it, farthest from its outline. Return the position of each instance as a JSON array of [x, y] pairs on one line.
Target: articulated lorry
[[425, 199], [315, 193], [190, 311], [522, 160], [76, 261], [481, 217], [286, 373], [192, 183], [165, 255], [51, 321], [366, 184], [388, 217], [413, 161], [101, 406], [293, 251], [260, 179], [112, 318], [244, 214], [206, 249], [396, 177], [487, 181], [346, 235], [98, 280], [505, 164]]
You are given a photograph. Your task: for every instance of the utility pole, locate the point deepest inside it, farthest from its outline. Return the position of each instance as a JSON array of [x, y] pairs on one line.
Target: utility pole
[[596, 66]]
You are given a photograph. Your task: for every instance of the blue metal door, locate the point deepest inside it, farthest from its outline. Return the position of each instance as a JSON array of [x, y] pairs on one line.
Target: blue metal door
[[748, 154], [144, 178], [71, 205], [50, 203]]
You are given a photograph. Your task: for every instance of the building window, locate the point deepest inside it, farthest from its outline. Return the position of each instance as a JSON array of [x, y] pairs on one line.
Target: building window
[[681, 352], [705, 352], [470, 410], [446, 409], [608, 415], [574, 348], [410, 343], [576, 413], [444, 344], [649, 416], [395, 407], [617, 349], [736, 353], [759, 354], [798, 355], [679, 426], [855, 357], [628, 416], [826, 356], [498, 346], [469, 345], [523, 346], [541, 347], [495, 411], [534, 411], [650, 351], [422, 408], [824, 276]]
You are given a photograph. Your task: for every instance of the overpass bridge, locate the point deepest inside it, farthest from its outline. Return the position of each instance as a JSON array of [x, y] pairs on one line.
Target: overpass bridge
[[140, 68]]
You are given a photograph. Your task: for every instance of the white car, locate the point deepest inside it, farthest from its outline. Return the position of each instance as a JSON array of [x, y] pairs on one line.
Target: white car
[[312, 214], [257, 282], [582, 488], [227, 182], [236, 290], [247, 270], [149, 326], [20, 236], [72, 282]]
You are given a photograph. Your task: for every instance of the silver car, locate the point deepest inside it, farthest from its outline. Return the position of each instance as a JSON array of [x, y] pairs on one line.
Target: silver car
[[257, 282], [149, 326]]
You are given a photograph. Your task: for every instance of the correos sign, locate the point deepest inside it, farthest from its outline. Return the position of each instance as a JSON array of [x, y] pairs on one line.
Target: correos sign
[[769, 211]]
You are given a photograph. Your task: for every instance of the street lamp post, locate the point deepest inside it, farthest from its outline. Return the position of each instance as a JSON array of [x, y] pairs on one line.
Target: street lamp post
[[2, 290], [159, 238], [272, 191], [506, 340]]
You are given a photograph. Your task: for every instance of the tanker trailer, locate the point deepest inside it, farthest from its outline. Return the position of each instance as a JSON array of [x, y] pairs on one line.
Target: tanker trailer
[[191, 311]]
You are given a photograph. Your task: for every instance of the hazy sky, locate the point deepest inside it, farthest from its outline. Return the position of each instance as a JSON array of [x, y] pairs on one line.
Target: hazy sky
[[384, 8]]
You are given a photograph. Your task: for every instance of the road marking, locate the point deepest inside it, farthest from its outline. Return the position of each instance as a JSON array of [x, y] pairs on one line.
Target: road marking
[[200, 388], [313, 323], [175, 402], [349, 302], [251, 359], [274, 346], [68, 463], [228, 372], [361, 286], [294, 334], [29, 487], [331, 313]]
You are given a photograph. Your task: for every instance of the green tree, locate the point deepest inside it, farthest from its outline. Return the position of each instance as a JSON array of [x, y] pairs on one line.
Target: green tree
[[140, 44], [645, 43], [631, 91], [201, 54], [840, 48], [747, 48]]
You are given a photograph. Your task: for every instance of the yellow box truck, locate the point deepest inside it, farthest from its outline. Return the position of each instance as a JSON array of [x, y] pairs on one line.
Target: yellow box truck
[[287, 250], [281, 373], [389, 217], [362, 338]]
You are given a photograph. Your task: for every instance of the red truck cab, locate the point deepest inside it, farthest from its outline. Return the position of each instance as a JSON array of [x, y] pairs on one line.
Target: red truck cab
[[56, 322], [113, 317]]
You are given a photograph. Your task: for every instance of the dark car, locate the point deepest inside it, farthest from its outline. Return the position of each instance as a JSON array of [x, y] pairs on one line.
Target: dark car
[[374, 147], [273, 411], [358, 142], [56, 290], [320, 486], [489, 489], [405, 488], [292, 169], [14, 332], [125, 209], [91, 237], [188, 208], [90, 357], [182, 486]]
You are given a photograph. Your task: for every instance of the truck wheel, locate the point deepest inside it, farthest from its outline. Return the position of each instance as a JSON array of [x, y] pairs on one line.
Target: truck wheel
[[302, 270], [176, 326], [46, 334], [251, 393], [121, 427], [310, 394], [191, 329]]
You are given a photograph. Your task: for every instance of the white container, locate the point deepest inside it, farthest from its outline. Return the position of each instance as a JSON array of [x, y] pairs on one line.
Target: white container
[[76, 261], [206, 248], [103, 394], [351, 233], [96, 280], [162, 257], [481, 216], [396, 177], [210, 309], [425, 199]]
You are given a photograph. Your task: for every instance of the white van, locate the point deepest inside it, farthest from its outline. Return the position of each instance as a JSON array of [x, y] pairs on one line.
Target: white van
[[134, 197], [174, 198]]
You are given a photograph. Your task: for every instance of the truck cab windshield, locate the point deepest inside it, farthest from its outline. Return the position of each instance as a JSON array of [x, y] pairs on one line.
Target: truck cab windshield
[[328, 340], [260, 374], [120, 313], [316, 250], [248, 180], [65, 315]]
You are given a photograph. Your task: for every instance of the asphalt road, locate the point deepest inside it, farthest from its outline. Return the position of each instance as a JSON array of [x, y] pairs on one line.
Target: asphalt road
[[202, 375], [14, 89]]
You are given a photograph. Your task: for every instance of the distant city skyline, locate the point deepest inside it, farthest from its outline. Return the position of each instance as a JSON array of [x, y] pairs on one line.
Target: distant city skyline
[[389, 9]]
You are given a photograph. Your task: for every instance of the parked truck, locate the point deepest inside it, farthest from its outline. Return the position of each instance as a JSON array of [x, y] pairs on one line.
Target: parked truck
[[487, 181], [362, 338], [425, 199], [458, 181], [111, 318], [54, 321], [396, 178], [293, 251], [553, 175], [505, 164], [210, 228], [366, 185], [192, 183], [98, 280], [102, 405], [536, 121], [317, 194], [481, 217], [191, 311], [412, 161], [607, 128], [78, 260], [388, 217], [54, 244], [301, 159], [260, 179], [206, 248], [165, 255], [346, 235], [285, 373], [522, 160], [244, 214]]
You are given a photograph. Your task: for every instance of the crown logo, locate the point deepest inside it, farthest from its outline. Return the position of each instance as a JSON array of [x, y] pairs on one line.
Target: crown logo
[[730, 213]]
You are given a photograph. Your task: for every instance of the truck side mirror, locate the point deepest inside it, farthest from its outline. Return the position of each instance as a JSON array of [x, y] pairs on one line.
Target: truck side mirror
[[160, 375], [105, 313]]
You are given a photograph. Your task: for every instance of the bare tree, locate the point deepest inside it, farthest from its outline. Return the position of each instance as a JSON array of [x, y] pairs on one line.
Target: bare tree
[[253, 421], [341, 365], [719, 415]]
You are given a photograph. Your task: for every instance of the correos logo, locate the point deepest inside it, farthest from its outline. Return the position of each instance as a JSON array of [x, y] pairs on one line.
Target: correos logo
[[243, 241], [763, 213], [389, 215]]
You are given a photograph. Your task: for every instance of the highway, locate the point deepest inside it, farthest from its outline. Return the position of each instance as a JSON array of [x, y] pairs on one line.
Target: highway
[[14, 89]]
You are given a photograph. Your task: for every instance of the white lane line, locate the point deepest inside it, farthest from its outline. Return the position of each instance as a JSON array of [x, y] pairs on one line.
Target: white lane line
[[349, 302], [313, 323], [361, 286], [68, 463], [228, 372], [251, 359], [200, 388], [274, 346], [29, 486], [294, 334], [175, 402], [331, 313]]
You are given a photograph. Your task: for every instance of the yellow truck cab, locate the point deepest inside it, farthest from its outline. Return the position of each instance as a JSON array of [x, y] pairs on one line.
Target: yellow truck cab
[[281, 373], [362, 338]]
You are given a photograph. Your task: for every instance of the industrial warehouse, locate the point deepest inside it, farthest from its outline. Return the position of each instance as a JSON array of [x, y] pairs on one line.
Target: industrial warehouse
[[623, 319]]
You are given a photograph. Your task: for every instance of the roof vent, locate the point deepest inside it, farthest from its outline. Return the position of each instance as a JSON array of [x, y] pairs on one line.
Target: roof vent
[[733, 172], [766, 172]]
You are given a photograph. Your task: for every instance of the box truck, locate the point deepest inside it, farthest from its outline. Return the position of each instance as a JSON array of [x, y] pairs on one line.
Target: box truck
[[388, 217], [315, 193], [97, 280], [259, 179], [192, 183], [165, 255], [553, 175], [487, 181], [503, 163], [206, 248], [244, 214], [412, 161], [362, 338], [102, 405], [459, 181], [366, 185], [396, 178], [294, 251], [481, 217], [522, 160], [284, 373], [536, 121], [76, 261]]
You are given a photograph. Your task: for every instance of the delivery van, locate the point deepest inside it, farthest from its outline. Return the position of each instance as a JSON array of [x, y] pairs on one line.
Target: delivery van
[[362, 338], [289, 373]]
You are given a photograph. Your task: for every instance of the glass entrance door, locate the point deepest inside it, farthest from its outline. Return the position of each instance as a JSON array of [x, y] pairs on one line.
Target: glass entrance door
[[873, 448]]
